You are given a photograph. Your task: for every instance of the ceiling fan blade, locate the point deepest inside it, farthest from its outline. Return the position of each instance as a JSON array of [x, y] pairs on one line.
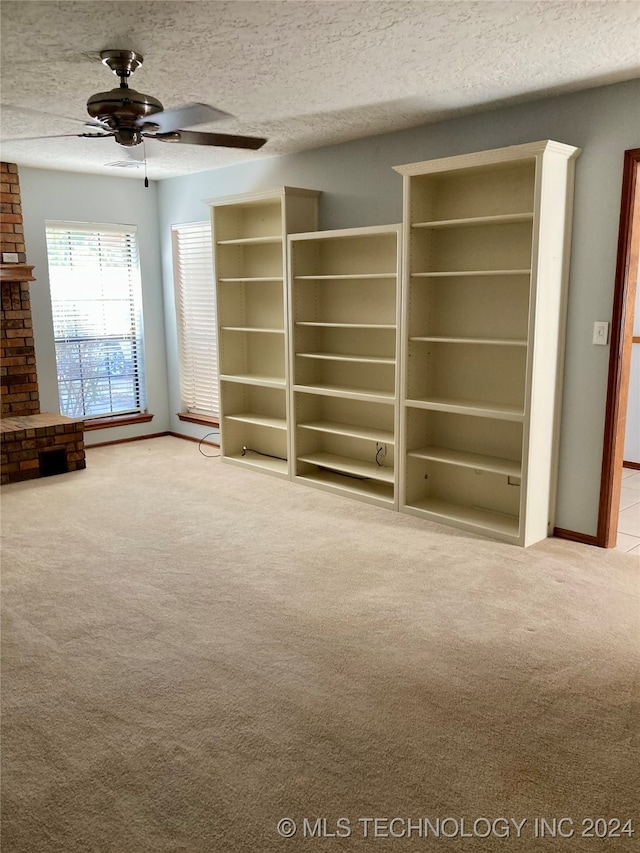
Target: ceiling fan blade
[[225, 140], [86, 122], [60, 136], [187, 116]]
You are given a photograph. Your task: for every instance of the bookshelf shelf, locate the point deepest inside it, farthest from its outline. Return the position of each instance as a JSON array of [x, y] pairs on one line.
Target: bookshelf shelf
[[471, 221]]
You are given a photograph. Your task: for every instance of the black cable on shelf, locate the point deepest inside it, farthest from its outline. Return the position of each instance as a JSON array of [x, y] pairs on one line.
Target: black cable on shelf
[[246, 450]]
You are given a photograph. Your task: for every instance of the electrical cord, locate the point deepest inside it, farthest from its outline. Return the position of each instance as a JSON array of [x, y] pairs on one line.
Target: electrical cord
[[246, 450], [207, 455]]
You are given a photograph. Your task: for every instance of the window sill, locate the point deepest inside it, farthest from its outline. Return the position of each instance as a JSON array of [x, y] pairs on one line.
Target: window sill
[[206, 420], [117, 420]]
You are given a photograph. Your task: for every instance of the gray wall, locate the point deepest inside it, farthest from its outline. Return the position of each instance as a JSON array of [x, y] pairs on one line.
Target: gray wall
[[360, 188], [89, 198]]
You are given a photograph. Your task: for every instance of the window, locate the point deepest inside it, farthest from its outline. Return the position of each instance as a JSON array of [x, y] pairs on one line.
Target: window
[[94, 275], [196, 309]]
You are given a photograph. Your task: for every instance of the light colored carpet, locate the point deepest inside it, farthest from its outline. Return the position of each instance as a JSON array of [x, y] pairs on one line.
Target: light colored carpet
[[192, 652]]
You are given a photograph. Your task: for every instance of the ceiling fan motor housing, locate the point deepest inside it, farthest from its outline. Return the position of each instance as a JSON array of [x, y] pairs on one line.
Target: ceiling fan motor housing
[[122, 110]]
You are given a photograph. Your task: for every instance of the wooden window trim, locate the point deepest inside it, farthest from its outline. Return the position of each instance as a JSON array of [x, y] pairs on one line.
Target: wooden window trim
[[117, 420], [192, 418]]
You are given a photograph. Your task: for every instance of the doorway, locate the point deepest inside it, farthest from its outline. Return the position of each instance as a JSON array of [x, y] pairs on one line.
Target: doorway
[[622, 319]]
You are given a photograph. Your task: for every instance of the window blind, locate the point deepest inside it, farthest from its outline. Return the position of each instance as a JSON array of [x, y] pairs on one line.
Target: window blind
[[94, 274], [196, 310]]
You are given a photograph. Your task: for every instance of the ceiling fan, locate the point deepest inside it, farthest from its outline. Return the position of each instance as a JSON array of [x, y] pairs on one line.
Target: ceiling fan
[[130, 117]]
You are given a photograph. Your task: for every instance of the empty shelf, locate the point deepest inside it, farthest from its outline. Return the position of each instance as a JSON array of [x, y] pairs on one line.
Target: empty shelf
[[372, 491], [256, 460], [252, 329], [498, 342], [336, 428], [458, 273], [346, 325], [248, 379], [502, 219], [345, 276], [485, 520], [248, 241], [470, 407], [259, 420], [252, 278], [337, 356], [346, 465], [347, 392], [477, 461]]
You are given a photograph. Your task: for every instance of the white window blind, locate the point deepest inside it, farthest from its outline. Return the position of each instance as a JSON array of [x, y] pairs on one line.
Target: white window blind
[[94, 275], [196, 309]]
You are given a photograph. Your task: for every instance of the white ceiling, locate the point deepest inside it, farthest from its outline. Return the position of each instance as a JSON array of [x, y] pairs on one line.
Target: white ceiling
[[300, 72]]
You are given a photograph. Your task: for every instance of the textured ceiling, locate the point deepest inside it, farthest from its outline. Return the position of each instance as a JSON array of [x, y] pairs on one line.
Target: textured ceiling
[[302, 73]]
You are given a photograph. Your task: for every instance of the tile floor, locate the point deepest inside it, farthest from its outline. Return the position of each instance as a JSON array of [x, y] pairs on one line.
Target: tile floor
[[629, 519]]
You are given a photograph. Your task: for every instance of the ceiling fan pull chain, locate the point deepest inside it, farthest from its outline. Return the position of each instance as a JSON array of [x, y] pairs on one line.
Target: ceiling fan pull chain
[[144, 153]]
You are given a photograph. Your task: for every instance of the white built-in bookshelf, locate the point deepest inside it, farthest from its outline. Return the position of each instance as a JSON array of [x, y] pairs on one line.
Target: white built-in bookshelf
[[250, 261], [486, 260], [344, 310], [417, 366]]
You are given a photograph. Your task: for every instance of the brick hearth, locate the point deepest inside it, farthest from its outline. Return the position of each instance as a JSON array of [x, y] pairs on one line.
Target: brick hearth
[[34, 444], [39, 445]]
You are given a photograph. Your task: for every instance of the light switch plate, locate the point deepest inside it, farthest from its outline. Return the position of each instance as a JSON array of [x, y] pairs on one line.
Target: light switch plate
[[601, 333]]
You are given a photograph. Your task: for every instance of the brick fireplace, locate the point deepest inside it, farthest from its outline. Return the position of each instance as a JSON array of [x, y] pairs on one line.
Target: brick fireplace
[[34, 443]]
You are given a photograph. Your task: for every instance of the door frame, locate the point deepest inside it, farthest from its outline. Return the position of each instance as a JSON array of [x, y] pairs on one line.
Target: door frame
[[622, 317]]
